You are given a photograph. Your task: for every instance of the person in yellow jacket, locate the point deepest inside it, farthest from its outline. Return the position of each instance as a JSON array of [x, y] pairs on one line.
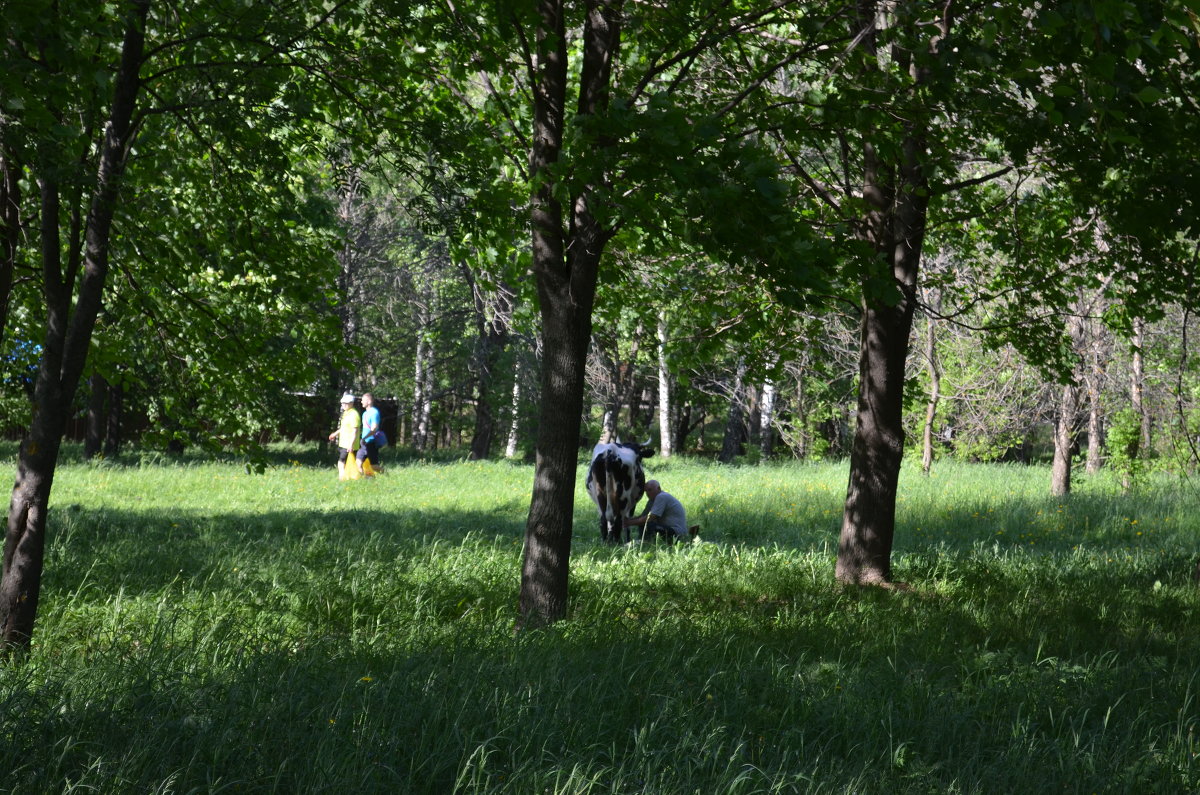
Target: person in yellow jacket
[[347, 436]]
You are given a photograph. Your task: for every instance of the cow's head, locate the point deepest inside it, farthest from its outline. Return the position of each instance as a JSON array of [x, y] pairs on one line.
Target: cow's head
[[640, 449]]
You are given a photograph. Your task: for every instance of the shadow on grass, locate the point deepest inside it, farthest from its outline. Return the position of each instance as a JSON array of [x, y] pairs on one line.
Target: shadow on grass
[[828, 690]]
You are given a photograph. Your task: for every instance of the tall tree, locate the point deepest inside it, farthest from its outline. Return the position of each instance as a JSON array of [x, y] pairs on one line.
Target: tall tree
[[568, 240], [68, 334], [159, 140]]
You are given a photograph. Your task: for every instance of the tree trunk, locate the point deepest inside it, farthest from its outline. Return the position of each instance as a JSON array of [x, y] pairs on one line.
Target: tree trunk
[[1137, 386], [1095, 453], [514, 424], [10, 232], [766, 430], [664, 391], [896, 196], [116, 411], [753, 416], [1064, 437], [683, 425], [628, 382], [897, 199], [735, 424], [96, 421], [422, 392], [803, 443], [608, 423], [65, 348], [566, 264], [869, 520], [491, 340], [935, 395]]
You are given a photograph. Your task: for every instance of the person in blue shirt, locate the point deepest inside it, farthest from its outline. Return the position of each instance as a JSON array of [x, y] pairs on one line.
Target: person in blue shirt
[[372, 435]]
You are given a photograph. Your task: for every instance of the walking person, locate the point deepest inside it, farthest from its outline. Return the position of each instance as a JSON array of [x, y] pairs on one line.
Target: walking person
[[347, 436], [373, 438]]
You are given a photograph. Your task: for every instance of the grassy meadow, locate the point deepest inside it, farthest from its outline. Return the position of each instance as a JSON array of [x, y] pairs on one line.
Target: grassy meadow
[[203, 629]]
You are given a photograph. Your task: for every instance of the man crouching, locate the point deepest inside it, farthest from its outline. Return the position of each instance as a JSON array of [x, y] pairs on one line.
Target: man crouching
[[664, 516]]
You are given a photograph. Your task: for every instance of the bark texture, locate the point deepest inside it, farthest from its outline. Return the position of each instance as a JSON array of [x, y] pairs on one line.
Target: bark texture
[[10, 232], [1064, 440], [664, 392], [566, 263], [896, 193], [935, 395]]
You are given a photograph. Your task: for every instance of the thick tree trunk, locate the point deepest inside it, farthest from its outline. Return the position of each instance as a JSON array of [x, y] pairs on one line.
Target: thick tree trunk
[[25, 539], [485, 422], [684, 425], [64, 350], [545, 568], [566, 264], [1064, 438], [896, 195], [895, 225], [869, 520]]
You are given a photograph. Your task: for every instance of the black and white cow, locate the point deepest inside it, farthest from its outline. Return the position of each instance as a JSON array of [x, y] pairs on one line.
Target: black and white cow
[[616, 482]]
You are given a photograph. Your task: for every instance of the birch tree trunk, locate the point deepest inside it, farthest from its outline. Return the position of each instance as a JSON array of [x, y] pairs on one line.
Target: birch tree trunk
[[766, 431], [664, 392], [514, 424], [1137, 386], [419, 426]]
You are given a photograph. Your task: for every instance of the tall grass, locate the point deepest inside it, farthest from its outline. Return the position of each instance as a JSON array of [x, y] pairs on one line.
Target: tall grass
[[203, 630]]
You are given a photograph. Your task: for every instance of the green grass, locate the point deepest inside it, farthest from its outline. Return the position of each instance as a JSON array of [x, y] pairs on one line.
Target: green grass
[[203, 629]]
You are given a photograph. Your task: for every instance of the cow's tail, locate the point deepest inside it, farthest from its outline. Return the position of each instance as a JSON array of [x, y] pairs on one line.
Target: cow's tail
[[617, 509]]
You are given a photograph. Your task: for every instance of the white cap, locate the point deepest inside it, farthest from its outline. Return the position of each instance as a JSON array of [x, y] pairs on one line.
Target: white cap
[[347, 398]]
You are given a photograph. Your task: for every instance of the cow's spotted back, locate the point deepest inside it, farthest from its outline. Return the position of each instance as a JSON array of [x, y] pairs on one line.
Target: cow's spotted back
[[616, 482]]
